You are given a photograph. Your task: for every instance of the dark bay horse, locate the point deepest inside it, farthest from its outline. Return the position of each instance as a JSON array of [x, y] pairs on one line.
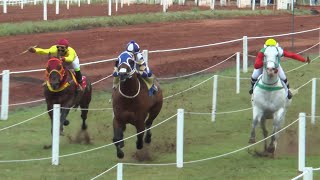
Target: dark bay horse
[[132, 104], [61, 88]]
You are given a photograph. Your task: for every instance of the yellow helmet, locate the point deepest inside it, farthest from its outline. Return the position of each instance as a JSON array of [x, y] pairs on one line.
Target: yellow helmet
[[271, 42]]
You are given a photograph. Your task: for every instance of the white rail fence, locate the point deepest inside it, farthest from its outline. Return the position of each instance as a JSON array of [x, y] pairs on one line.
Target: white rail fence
[[165, 4], [6, 73], [179, 154]]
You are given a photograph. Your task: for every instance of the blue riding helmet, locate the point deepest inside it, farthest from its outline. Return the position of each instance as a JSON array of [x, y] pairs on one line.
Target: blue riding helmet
[[133, 47]]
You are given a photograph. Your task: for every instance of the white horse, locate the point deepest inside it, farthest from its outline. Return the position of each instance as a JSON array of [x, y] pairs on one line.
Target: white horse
[[269, 99]]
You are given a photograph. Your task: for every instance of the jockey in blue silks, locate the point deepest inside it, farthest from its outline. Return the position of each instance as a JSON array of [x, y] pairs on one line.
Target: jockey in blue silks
[[133, 50]]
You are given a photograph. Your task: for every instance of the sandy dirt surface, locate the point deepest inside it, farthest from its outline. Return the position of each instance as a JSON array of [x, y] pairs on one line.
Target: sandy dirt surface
[[104, 43]]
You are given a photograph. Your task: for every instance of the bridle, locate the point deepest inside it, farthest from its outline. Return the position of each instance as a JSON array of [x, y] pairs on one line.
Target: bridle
[[128, 75]]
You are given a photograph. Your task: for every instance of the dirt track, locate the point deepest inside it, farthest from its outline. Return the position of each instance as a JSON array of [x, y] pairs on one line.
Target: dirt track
[[105, 43]]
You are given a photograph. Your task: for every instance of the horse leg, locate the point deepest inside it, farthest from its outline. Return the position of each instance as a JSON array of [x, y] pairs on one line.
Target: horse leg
[[152, 116], [84, 113], [256, 118], [118, 136], [265, 132], [278, 118], [140, 128]]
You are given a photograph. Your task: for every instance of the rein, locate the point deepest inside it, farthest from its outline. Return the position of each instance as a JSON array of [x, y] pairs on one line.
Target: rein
[[130, 97]]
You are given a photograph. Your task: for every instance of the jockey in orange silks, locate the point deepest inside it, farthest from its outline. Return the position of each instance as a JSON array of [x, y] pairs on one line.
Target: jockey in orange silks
[[260, 60], [67, 54]]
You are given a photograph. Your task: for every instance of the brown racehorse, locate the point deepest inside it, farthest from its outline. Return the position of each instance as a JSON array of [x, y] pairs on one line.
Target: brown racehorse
[[61, 88], [132, 104]]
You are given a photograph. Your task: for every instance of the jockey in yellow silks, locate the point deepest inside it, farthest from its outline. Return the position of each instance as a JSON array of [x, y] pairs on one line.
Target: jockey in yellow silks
[[141, 66], [67, 54]]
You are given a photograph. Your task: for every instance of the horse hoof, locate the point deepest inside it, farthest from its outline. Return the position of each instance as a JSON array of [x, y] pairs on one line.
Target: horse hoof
[[47, 146], [66, 123], [139, 145], [84, 127], [147, 140], [252, 140], [271, 149], [120, 154]]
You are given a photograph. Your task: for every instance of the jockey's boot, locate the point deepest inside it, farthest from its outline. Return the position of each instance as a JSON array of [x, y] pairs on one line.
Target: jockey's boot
[[289, 92], [253, 81], [79, 80], [153, 90]]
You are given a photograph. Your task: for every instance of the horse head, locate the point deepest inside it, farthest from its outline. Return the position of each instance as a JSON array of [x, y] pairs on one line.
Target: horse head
[[55, 72], [126, 66], [271, 59]]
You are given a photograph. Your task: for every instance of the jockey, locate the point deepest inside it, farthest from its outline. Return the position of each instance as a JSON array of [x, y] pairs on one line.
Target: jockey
[[141, 67], [259, 64], [67, 54]]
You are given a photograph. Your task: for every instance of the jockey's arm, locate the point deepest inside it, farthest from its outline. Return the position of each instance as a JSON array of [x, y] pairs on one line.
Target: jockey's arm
[[294, 56], [53, 50], [259, 61], [71, 55]]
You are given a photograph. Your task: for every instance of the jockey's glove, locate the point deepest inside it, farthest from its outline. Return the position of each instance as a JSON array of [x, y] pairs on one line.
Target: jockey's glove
[[32, 50], [115, 72], [142, 68]]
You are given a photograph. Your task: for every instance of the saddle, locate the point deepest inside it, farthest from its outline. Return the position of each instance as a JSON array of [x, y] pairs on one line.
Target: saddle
[[151, 85], [265, 87]]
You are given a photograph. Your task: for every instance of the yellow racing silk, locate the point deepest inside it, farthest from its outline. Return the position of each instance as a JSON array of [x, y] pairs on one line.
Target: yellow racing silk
[[53, 50], [64, 86]]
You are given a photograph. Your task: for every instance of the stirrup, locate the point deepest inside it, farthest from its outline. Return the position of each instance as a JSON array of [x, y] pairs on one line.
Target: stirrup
[[289, 94], [79, 88], [251, 91]]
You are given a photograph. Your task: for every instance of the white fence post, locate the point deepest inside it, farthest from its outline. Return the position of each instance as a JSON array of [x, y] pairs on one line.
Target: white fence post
[[22, 4], [57, 6], [214, 97], [5, 94], [89, 2], [164, 9], [309, 174], [79, 3], [55, 134], [34, 2], [119, 171], [180, 127], [117, 5], [109, 7], [302, 141], [245, 54], [45, 14], [4, 6], [68, 4], [145, 56], [212, 2], [238, 72], [313, 100]]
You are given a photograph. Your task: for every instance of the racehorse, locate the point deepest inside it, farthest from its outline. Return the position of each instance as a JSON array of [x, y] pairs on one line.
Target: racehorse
[[132, 104], [269, 99], [61, 88]]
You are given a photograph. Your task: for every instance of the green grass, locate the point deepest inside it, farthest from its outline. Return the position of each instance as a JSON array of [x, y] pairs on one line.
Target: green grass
[[10, 29], [203, 138]]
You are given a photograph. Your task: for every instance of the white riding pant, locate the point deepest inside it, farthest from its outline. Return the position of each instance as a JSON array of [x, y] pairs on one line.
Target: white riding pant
[[257, 72], [75, 65]]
